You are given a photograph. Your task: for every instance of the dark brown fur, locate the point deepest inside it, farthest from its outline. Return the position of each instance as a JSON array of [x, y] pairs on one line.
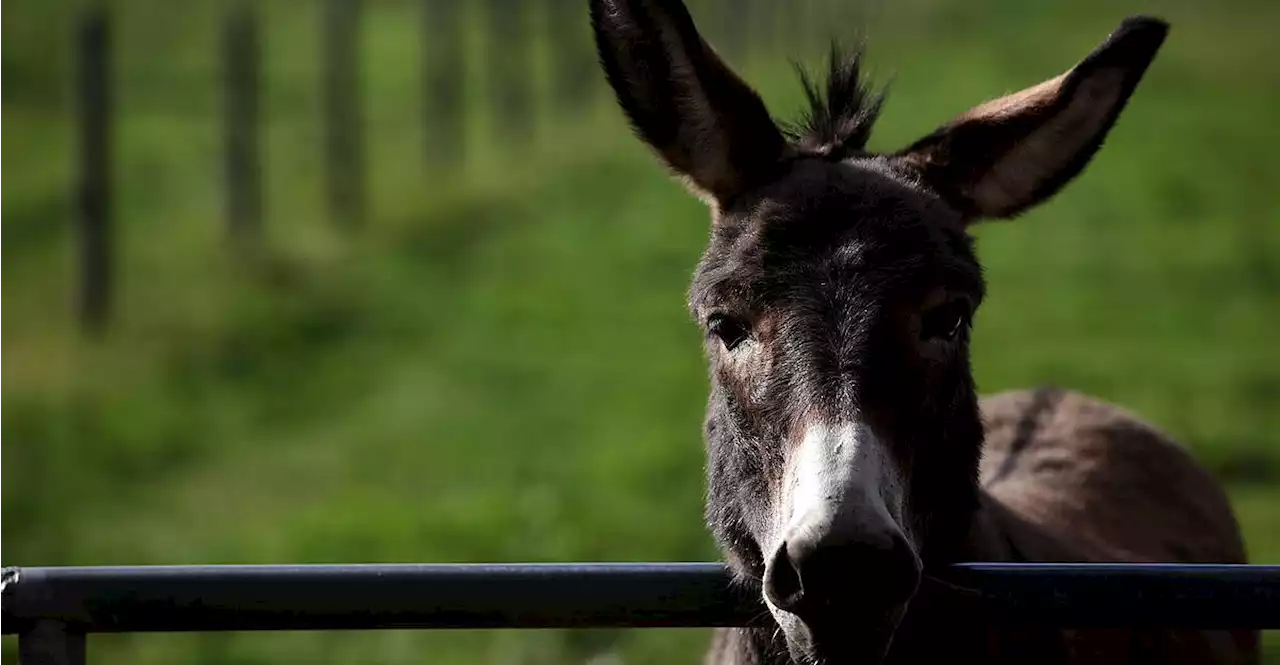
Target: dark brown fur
[[836, 294]]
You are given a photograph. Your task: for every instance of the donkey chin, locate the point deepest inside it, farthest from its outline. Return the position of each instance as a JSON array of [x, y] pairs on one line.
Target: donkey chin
[[841, 637]]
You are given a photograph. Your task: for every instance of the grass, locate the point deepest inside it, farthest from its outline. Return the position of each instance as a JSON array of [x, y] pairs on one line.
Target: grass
[[498, 366]]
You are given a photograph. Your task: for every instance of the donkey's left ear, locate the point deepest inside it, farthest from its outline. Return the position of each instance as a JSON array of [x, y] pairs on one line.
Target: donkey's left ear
[[704, 122], [1012, 153]]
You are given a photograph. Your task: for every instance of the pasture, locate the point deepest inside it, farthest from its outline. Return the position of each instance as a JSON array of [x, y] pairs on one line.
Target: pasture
[[497, 365]]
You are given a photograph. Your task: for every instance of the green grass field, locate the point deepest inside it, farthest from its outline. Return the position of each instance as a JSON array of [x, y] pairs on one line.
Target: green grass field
[[499, 366]]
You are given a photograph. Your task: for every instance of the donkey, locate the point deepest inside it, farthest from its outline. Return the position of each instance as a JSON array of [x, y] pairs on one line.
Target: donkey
[[849, 457]]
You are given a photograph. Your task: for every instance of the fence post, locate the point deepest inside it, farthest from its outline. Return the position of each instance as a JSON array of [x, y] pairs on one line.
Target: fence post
[[735, 20], [799, 21], [242, 56], [575, 75], [343, 131], [93, 84], [51, 642], [442, 60], [508, 60], [741, 15]]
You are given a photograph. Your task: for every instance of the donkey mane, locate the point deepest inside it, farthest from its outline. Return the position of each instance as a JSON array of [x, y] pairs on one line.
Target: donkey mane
[[842, 107]]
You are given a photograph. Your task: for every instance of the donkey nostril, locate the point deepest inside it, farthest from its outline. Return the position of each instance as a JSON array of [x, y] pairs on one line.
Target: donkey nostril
[[782, 581]]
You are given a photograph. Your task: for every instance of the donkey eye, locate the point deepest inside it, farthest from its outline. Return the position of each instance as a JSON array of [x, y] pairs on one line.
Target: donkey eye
[[945, 321], [731, 331]]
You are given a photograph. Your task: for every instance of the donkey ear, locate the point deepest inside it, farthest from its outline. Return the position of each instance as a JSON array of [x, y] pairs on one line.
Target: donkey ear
[[1012, 153], [703, 121]]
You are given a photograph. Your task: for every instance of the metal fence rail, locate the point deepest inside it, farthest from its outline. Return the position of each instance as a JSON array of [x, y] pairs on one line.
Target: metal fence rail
[[51, 609]]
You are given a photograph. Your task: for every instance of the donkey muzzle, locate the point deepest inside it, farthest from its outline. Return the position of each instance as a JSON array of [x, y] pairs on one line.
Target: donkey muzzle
[[840, 576]]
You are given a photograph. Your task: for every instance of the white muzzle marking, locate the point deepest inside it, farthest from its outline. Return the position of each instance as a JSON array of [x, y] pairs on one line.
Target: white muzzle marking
[[841, 478]]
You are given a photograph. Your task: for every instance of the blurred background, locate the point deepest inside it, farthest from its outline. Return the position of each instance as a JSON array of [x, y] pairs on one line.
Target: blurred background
[[307, 281]]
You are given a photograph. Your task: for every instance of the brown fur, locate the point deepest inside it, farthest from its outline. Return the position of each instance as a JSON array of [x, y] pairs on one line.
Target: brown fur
[[1069, 478], [850, 460]]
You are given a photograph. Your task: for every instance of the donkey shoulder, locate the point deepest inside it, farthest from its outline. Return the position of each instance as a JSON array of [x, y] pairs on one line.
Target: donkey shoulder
[[1096, 475]]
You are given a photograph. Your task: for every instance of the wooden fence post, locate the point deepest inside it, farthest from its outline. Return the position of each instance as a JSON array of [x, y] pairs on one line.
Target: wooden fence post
[[735, 18], [343, 130], [242, 56], [94, 196], [743, 15], [442, 60], [574, 58], [508, 58]]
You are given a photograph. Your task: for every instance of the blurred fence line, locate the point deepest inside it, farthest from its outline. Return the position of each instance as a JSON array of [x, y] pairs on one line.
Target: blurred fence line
[[94, 194], [443, 80], [242, 66], [344, 129], [512, 32]]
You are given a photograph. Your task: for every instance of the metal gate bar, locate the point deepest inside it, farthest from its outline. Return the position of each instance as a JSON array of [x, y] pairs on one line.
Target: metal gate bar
[[52, 609]]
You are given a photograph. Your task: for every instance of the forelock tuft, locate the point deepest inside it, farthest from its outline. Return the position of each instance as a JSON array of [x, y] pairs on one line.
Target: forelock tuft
[[841, 109]]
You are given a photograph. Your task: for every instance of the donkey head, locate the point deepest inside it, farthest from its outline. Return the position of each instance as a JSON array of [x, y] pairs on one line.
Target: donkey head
[[836, 295]]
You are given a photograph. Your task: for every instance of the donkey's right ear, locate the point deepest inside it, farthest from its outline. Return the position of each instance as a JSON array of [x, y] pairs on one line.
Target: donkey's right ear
[[704, 122], [1012, 153]]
